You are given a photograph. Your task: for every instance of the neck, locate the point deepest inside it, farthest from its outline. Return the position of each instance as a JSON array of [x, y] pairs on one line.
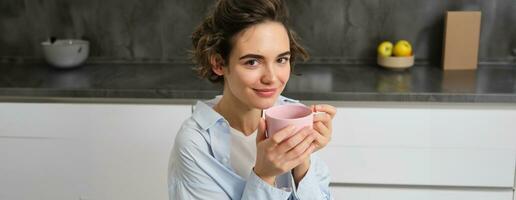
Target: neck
[[239, 115]]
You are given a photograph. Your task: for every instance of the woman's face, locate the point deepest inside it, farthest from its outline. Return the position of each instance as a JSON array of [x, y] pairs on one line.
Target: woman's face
[[259, 65]]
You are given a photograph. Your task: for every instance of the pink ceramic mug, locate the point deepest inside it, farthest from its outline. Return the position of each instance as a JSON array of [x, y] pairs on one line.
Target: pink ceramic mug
[[279, 117]]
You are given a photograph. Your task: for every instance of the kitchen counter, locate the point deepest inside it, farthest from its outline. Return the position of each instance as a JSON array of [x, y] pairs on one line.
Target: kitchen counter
[[313, 82]]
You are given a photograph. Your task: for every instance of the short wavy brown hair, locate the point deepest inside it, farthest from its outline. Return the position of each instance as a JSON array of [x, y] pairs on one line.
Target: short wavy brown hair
[[213, 36]]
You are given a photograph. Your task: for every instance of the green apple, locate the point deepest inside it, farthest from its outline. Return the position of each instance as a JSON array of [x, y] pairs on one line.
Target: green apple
[[385, 49], [402, 48]]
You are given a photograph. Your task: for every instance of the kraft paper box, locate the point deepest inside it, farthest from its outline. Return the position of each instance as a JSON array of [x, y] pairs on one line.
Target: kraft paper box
[[459, 80], [461, 40]]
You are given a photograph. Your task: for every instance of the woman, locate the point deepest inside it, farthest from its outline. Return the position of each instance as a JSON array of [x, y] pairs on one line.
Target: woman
[[221, 152]]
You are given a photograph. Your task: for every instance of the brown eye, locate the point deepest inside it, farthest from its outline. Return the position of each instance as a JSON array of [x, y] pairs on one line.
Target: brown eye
[[252, 62], [283, 60]]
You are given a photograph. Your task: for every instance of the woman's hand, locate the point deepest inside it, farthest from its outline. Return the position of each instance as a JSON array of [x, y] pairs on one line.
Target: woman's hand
[[323, 124], [282, 151]]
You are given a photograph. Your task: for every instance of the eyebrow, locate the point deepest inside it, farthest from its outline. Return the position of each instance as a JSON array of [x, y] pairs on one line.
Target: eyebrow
[[262, 57]]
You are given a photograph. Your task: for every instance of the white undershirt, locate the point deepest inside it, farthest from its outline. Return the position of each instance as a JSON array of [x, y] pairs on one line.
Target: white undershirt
[[243, 152]]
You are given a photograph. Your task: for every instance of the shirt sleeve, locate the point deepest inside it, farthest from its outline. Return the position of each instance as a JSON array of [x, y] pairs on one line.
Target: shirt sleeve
[[258, 189], [180, 189], [316, 182], [195, 174], [189, 171]]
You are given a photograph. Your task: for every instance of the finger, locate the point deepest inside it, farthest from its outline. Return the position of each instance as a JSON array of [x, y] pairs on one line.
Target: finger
[[261, 131], [321, 141], [300, 159], [299, 149], [281, 135], [325, 108], [324, 118], [329, 125], [293, 141], [322, 129]]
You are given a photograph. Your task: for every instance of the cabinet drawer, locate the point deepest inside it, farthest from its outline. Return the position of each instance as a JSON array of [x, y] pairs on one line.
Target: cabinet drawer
[[360, 193], [434, 126], [420, 166]]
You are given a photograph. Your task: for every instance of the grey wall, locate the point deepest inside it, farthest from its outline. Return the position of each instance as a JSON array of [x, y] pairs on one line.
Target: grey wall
[[332, 30]]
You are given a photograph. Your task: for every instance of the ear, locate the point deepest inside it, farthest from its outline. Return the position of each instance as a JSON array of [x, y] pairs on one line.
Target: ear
[[217, 64]]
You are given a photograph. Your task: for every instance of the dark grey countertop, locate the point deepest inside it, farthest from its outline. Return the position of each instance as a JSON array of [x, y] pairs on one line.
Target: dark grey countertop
[[313, 82]]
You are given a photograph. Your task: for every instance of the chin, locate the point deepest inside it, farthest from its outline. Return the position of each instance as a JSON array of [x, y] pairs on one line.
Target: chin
[[264, 103]]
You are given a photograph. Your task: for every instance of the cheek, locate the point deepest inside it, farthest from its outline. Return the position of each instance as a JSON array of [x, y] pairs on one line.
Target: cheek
[[249, 77], [284, 74]]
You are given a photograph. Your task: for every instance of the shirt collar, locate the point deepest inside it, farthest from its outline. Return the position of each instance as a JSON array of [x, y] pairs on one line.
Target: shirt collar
[[206, 117]]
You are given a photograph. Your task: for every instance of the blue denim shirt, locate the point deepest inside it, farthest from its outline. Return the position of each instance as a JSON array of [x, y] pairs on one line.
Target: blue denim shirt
[[200, 169]]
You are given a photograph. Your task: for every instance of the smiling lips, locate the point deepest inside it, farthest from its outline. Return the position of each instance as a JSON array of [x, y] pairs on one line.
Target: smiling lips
[[265, 92]]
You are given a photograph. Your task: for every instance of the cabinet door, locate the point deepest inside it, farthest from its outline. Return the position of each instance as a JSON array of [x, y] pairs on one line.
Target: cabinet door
[[86, 151], [424, 144], [420, 166], [374, 193]]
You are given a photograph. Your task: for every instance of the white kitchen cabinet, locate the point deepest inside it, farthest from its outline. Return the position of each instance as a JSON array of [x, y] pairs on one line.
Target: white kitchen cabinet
[[389, 148], [374, 193], [379, 151], [412, 166], [86, 151]]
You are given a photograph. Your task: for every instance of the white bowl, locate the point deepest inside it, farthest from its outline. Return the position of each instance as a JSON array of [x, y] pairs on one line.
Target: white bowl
[[66, 53]]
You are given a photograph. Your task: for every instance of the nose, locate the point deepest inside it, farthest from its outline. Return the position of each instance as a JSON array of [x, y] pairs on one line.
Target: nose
[[269, 74]]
